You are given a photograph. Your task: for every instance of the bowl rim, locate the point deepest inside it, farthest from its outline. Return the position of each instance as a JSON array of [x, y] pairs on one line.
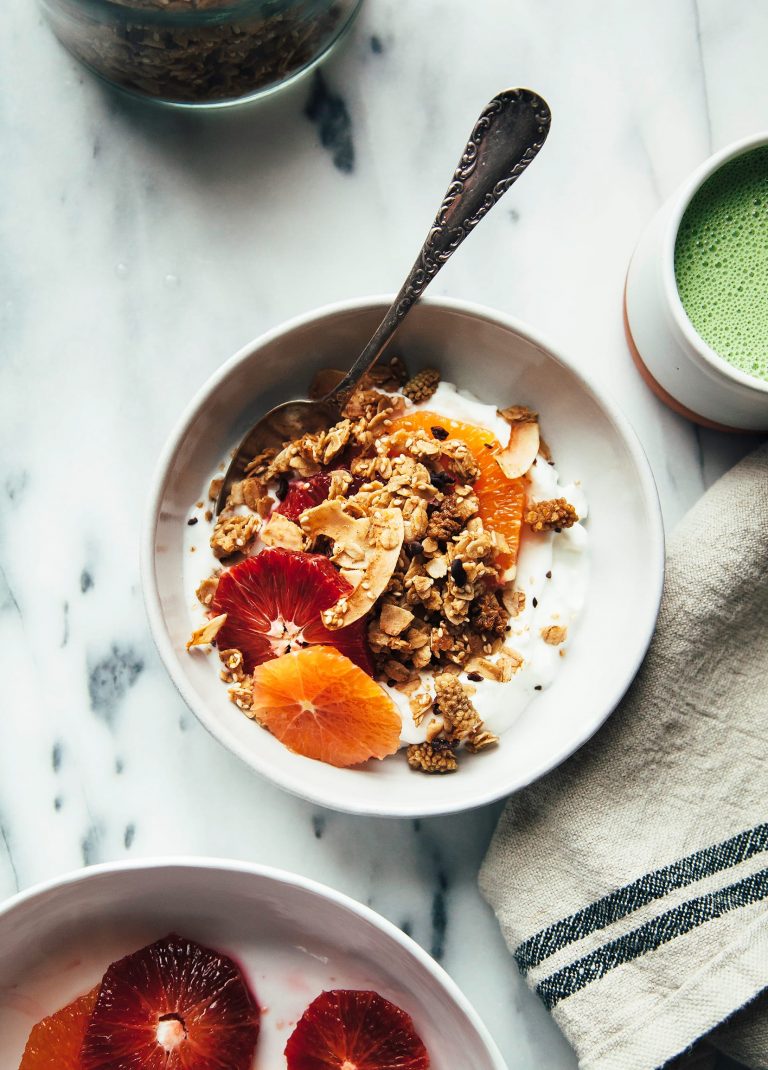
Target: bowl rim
[[280, 876], [295, 784]]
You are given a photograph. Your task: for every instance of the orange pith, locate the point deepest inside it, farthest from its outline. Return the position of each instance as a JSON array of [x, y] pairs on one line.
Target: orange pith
[[55, 1042], [320, 704], [502, 500]]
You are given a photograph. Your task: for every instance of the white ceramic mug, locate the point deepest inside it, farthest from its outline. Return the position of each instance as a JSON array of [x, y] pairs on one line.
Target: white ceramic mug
[[675, 361]]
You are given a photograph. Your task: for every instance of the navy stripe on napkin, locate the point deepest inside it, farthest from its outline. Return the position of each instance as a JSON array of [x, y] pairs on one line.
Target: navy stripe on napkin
[[660, 930], [631, 897]]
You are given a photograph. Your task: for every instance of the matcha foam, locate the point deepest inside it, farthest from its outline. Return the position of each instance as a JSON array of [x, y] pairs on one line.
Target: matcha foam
[[721, 262]]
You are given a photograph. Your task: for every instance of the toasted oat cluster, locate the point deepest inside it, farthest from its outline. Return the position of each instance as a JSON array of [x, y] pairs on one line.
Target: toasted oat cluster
[[400, 519], [552, 515]]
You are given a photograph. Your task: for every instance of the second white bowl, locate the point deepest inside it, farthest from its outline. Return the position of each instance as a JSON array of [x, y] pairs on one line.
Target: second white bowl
[[293, 937], [502, 362]]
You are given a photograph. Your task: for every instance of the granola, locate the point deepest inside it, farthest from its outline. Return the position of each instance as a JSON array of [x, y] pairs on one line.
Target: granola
[[452, 702], [551, 515], [423, 385], [436, 757], [232, 534], [554, 634], [395, 502], [206, 590]]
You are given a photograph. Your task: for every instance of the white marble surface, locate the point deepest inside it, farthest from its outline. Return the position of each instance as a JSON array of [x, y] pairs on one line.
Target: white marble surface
[[140, 247]]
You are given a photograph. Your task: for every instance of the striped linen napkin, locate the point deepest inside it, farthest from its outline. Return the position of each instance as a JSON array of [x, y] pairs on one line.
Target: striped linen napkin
[[631, 884]]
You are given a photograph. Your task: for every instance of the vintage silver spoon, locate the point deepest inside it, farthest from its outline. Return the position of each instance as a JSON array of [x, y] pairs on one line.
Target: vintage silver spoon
[[506, 137]]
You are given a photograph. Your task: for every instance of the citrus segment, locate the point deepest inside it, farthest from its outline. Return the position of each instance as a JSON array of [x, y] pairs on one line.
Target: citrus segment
[[350, 1030], [320, 704], [305, 493], [273, 603], [502, 500], [174, 1005], [55, 1042]]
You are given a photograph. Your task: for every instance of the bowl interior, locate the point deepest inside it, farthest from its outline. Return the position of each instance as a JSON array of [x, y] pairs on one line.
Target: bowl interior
[[292, 940], [590, 442]]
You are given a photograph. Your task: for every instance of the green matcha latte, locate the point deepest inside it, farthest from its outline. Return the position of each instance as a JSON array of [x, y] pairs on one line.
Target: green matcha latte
[[721, 262]]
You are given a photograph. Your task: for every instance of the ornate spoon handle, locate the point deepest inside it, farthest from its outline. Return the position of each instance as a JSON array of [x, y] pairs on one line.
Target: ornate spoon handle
[[506, 137]]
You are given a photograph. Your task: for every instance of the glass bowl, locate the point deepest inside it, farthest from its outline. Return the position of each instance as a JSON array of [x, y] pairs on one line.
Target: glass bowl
[[199, 52]]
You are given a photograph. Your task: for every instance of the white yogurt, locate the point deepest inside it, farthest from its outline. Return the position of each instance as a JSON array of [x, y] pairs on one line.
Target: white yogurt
[[461, 405], [552, 569]]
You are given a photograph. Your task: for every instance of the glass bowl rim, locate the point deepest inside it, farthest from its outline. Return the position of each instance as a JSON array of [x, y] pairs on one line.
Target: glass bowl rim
[[227, 11]]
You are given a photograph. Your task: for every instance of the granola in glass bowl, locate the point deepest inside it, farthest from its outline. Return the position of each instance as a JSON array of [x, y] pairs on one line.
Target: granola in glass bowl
[[403, 581]]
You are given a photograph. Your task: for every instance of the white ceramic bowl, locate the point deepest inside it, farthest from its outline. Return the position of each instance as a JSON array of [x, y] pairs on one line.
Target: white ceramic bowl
[[503, 362], [293, 938], [675, 361]]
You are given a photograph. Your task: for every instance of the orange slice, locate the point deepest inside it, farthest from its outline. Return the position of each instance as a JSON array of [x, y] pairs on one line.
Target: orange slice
[[502, 500], [320, 704], [55, 1042]]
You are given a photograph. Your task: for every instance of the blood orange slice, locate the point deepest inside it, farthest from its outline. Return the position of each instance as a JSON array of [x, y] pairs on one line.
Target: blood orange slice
[[304, 493], [174, 1005], [348, 1030], [502, 500], [55, 1042], [273, 603], [319, 704]]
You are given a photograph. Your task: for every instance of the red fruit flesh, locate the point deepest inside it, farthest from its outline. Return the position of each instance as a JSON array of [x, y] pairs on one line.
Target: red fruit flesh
[[348, 1030], [319, 704], [305, 493], [173, 1005], [273, 603], [55, 1042]]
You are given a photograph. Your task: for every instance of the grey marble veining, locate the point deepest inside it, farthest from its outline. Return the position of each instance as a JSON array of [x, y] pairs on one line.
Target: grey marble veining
[[140, 247]]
